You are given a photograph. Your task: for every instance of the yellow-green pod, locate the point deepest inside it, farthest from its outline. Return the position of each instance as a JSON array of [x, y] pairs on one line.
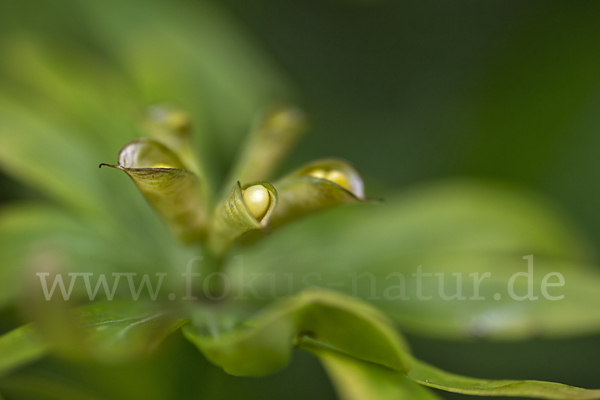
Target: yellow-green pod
[[316, 187], [270, 139], [172, 190], [247, 208]]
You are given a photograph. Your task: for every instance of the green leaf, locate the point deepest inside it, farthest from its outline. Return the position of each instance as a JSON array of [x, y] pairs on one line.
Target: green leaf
[[269, 141], [453, 227], [43, 154], [172, 190], [194, 55], [359, 380], [107, 332], [41, 387], [327, 323], [264, 344], [73, 87], [172, 127], [309, 189], [233, 217], [427, 375], [436, 378], [24, 230], [116, 331], [20, 347]]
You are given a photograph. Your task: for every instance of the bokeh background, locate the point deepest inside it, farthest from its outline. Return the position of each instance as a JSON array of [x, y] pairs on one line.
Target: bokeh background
[[410, 91]]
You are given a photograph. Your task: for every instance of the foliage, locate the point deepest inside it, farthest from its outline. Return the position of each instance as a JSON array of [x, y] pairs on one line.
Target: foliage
[[65, 111]]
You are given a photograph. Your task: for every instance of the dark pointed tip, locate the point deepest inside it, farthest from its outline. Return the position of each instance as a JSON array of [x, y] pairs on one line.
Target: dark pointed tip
[[107, 165]]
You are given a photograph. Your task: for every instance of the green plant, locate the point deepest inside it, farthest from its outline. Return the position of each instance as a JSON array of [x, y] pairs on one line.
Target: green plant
[[97, 225]]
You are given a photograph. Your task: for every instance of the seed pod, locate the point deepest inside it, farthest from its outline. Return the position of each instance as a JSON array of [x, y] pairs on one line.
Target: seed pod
[[172, 190], [241, 212]]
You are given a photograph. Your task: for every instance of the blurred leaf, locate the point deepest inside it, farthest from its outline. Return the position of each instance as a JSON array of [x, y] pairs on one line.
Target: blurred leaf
[[41, 387], [24, 228], [110, 332], [191, 54], [78, 88], [46, 156], [172, 127], [29, 232], [63, 113], [359, 380], [269, 141], [19, 347], [455, 227], [116, 331], [264, 344]]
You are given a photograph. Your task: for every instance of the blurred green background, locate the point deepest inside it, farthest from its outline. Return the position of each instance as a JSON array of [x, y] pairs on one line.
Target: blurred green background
[[409, 91]]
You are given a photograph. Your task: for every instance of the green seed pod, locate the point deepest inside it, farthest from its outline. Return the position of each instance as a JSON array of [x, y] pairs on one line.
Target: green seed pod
[[270, 140], [172, 190], [246, 209]]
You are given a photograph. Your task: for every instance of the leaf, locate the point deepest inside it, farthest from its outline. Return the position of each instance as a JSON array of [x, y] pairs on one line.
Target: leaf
[[359, 380], [108, 332], [453, 227], [116, 331], [327, 323], [172, 127], [264, 344], [24, 229], [173, 191], [73, 87], [194, 55], [309, 190], [436, 378], [43, 387], [45, 155], [20, 347], [233, 217], [269, 141]]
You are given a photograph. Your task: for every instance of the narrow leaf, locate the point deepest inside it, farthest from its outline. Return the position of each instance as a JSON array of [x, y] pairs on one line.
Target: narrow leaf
[[234, 216], [172, 190], [194, 54], [108, 332], [172, 127], [116, 331], [272, 137], [436, 378], [360, 380], [20, 347]]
